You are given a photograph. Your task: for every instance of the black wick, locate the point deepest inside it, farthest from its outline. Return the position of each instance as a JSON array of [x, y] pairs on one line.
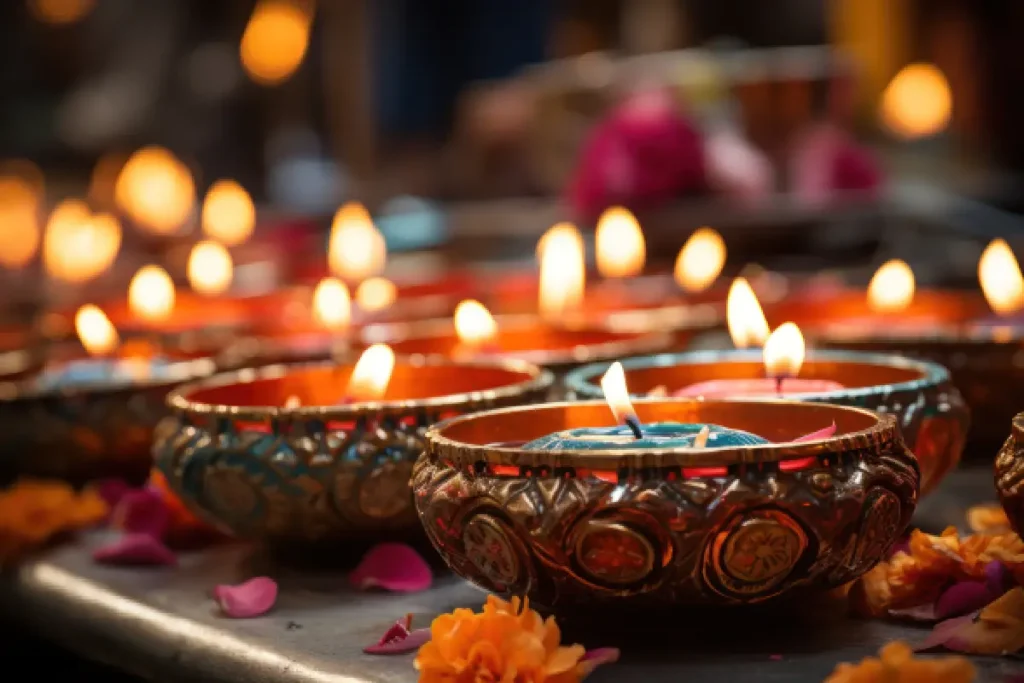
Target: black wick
[[778, 385], [634, 426]]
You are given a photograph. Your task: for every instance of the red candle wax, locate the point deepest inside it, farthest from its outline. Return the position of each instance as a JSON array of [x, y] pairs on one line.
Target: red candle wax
[[757, 388]]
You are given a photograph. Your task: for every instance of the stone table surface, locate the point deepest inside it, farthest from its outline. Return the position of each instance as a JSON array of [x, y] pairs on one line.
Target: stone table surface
[[161, 625]]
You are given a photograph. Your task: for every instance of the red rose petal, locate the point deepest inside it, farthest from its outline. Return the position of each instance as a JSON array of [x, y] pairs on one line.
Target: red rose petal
[[823, 433], [595, 658], [135, 550], [253, 598], [394, 567], [399, 639], [142, 511]]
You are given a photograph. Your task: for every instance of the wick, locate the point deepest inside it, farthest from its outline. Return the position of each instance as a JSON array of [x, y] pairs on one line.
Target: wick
[[778, 385], [634, 425], [701, 440]]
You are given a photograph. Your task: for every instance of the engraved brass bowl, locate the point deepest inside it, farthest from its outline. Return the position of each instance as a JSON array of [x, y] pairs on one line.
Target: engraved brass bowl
[[671, 526], [930, 411], [1010, 474], [320, 472]]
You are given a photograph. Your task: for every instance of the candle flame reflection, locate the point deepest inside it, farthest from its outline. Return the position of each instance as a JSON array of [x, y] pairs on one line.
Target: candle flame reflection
[[563, 273], [228, 213], [1000, 277], [747, 324], [701, 260], [376, 294], [372, 374], [474, 324], [784, 351], [95, 331], [616, 393], [151, 294], [356, 250], [210, 268], [332, 305], [892, 287], [619, 244]]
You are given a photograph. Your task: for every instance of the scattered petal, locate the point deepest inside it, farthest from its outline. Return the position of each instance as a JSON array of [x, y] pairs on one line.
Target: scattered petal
[[775, 658], [135, 550], [111, 490], [896, 662], [594, 658], [394, 567], [823, 433], [921, 613], [141, 511], [962, 598], [999, 578], [399, 639], [995, 630], [252, 598], [989, 518]]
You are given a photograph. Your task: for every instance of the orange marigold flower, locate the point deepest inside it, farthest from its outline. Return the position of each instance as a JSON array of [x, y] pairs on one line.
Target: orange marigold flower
[[989, 518], [33, 512], [896, 664], [506, 641]]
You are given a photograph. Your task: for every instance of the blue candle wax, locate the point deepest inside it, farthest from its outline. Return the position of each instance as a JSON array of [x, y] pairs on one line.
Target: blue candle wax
[[655, 435]]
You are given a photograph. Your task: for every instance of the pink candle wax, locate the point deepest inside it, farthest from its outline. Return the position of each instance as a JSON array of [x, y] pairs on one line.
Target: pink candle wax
[[757, 388]]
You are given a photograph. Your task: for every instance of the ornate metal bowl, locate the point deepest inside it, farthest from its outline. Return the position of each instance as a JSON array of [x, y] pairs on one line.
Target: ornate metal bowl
[[84, 432], [930, 411], [665, 527], [319, 472], [1010, 474]]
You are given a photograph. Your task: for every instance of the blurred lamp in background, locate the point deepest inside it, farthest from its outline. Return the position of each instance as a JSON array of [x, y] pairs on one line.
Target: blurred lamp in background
[[1000, 278], [79, 246], [619, 244], [151, 294], [155, 190], [700, 261], [228, 213], [19, 222], [275, 40], [60, 12], [356, 249], [210, 268], [563, 274], [376, 294], [892, 287], [917, 102]]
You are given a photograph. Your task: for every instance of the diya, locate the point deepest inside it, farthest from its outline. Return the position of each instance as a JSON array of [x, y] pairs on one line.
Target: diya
[[87, 416], [288, 455], [1009, 474], [716, 502]]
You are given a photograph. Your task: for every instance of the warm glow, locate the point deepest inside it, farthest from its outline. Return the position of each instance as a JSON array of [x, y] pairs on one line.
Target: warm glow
[[332, 305], [60, 12], [376, 294], [275, 41], [19, 221], [701, 260], [356, 250], [563, 272], [210, 268], [95, 330], [1000, 277], [228, 213], [784, 351], [613, 384], [155, 189], [892, 287], [747, 324], [151, 294], [474, 324], [103, 183], [370, 377], [917, 103], [619, 243], [77, 246]]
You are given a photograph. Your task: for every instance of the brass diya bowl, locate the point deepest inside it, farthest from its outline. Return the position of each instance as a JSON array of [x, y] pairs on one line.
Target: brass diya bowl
[[664, 527], [523, 337], [84, 430], [928, 407], [322, 471], [1010, 474]]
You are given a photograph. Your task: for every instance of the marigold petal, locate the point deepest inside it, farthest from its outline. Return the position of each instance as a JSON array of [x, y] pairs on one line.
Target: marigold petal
[[563, 659]]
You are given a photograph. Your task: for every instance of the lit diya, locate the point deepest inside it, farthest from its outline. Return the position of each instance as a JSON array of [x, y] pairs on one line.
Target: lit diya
[[82, 417], [681, 502], [315, 453], [931, 413]]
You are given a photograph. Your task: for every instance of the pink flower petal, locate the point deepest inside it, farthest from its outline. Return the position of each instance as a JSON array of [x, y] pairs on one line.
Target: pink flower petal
[[399, 639], [823, 433], [595, 658], [962, 598], [135, 550], [394, 567], [943, 631], [253, 598], [920, 613], [112, 490], [141, 511]]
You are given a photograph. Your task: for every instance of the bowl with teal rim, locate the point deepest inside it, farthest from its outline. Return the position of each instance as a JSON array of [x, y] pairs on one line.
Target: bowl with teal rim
[[277, 455], [543, 501], [930, 411]]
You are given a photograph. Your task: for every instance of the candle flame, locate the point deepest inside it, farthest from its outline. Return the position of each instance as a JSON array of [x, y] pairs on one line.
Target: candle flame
[[19, 221], [747, 324], [151, 294], [376, 294], [356, 250], [332, 305], [77, 246], [275, 41], [619, 243], [784, 351], [562, 270], [95, 331], [228, 213], [701, 260], [917, 102], [372, 374], [892, 287], [474, 324], [155, 189], [613, 384], [210, 268], [1000, 277]]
